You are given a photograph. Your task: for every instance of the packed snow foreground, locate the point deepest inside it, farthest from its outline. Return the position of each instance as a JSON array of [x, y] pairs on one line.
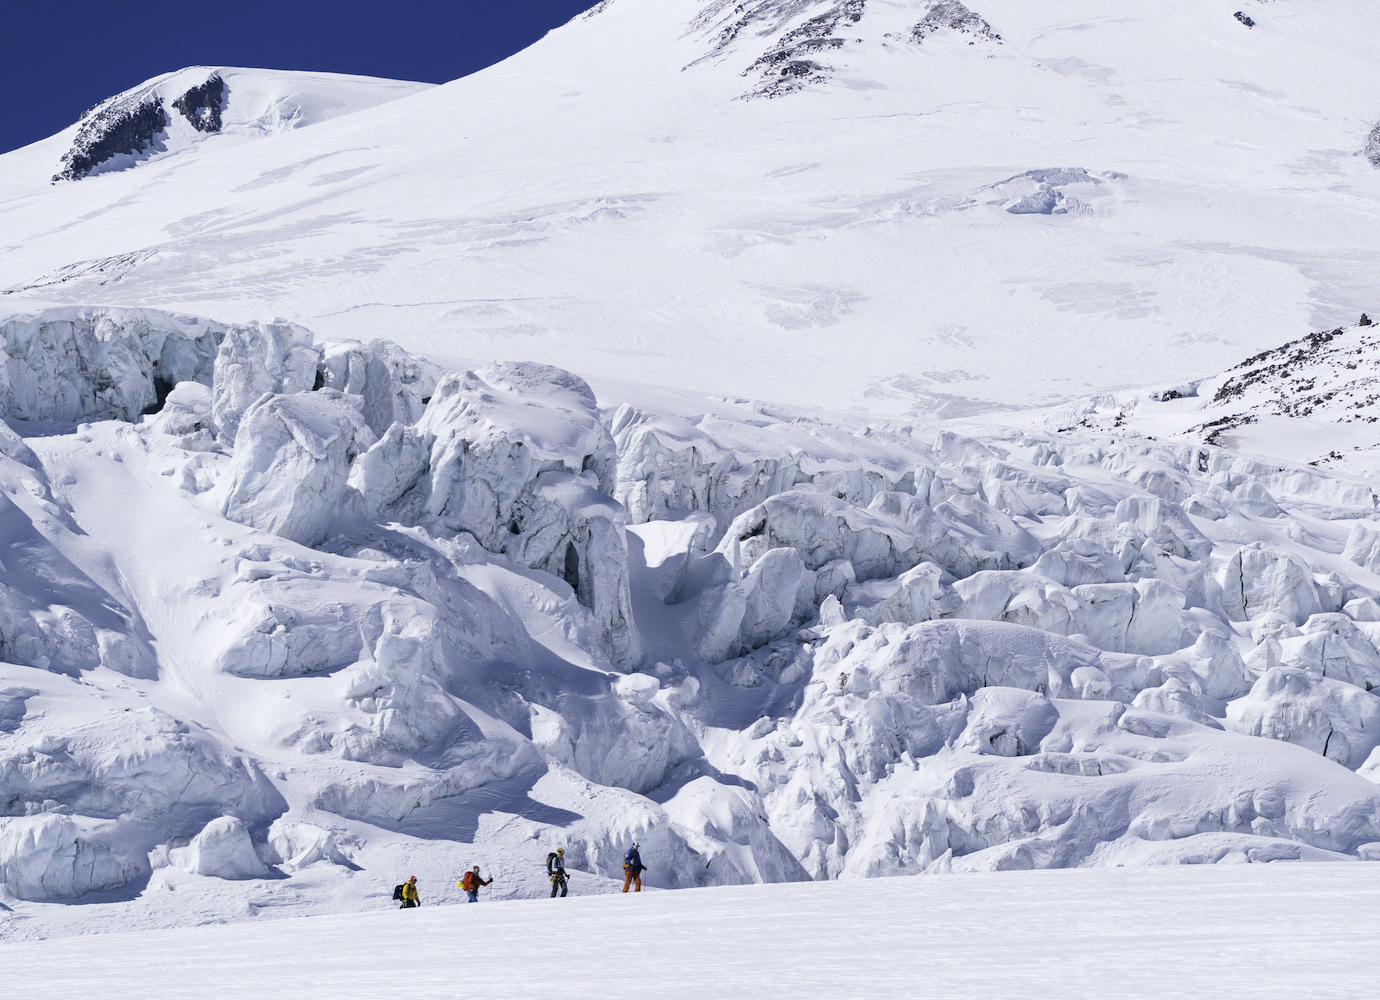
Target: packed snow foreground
[[1107, 934], [277, 609]]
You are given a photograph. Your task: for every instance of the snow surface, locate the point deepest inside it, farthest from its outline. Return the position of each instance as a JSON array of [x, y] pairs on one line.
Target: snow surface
[[292, 607], [1091, 203], [1248, 932]]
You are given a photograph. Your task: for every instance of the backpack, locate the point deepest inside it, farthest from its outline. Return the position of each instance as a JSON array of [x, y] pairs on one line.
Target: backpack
[[468, 882], [398, 890], [550, 863]]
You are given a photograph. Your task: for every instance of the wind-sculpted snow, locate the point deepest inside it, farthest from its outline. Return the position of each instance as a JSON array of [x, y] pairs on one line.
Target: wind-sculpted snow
[[331, 606], [1050, 192]]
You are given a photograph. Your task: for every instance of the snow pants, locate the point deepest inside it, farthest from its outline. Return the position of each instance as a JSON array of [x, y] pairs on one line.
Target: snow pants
[[473, 894], [561, 884], [632, 877]]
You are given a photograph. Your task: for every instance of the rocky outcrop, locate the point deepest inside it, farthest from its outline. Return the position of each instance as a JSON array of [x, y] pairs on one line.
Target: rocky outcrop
[[111, 129], [792, 62], [950, 15], [134, 125], [202, 105]]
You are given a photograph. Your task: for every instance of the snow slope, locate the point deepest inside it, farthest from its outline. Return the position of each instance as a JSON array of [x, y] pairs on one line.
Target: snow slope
[[1091, 202], [1306, 401], [1257, 932]]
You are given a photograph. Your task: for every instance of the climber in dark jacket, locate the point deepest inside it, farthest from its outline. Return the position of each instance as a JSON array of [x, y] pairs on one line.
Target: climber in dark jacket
[[633, 869]]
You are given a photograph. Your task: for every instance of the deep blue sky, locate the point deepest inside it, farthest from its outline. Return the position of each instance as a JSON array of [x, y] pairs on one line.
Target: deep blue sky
[[61, 58]]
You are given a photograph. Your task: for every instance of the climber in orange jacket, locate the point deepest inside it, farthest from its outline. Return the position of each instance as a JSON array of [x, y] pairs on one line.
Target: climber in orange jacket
[[471, 883]]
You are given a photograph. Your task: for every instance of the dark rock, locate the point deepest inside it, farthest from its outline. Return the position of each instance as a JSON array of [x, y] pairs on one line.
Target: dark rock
[[110, 130], [952, 16], [1364, 321], [789, 65], [202, 105], [1244, 19], [1372, 150]]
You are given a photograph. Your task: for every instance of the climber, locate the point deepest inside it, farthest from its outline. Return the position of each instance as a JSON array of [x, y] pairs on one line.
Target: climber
[[633, 869], [471, 883], [407, 892], [555, 867]]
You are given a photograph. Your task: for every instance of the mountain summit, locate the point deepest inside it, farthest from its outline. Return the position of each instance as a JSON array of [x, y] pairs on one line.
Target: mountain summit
[[175, 111]]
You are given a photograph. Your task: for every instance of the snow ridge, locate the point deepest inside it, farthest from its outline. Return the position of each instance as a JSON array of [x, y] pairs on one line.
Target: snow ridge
[[177, 111]]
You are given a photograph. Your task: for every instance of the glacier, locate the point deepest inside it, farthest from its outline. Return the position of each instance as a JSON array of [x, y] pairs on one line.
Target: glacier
[[329, 599], [815, 439]]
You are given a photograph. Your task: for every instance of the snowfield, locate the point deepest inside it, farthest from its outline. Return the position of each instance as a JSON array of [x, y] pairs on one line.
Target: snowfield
[[921, 225], [1247, 932], [735, 428]]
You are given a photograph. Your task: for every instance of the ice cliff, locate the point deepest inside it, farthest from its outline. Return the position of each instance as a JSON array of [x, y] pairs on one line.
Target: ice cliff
[[269, 603]]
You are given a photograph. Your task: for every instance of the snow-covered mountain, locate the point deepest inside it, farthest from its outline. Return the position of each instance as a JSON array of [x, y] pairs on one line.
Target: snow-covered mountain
[[335, 597], [178, 111], [1089, 202]]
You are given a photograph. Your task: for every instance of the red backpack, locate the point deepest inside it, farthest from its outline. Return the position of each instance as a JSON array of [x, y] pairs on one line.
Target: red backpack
[[469, 883]]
